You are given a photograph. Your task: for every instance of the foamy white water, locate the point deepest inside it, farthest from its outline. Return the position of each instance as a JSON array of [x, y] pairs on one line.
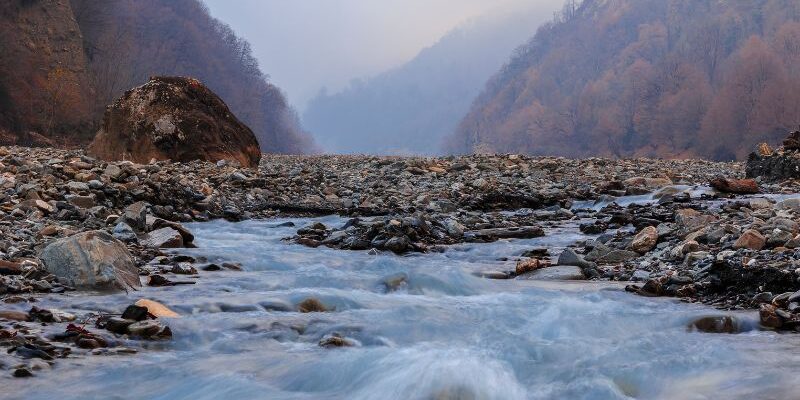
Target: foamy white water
[[445, 334]]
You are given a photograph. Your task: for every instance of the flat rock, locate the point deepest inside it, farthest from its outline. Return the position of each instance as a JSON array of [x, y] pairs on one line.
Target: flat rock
[[163, 238], [557, 273]]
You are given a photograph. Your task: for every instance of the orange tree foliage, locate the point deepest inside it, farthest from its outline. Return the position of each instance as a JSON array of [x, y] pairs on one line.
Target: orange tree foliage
[[657, 78]]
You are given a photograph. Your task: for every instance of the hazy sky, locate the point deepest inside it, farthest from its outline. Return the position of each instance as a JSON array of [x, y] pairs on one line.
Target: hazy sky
[[305, 45]]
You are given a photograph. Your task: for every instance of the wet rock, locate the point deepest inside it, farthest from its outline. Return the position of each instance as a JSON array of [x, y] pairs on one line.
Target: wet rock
[[395, 282], [187, 235], [118, 325], [557, 273], [335, 340], [570, 258], [14, 315], [135, 313], [715, 324], [769, 317], [22, 373], [492, 234], [750, 239], [91, 260], [157, 309], [529, 265], [311, 305], [173, 118], [146, 328]]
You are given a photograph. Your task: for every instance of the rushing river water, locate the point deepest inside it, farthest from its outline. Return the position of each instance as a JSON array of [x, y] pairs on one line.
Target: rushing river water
[[445, 334]]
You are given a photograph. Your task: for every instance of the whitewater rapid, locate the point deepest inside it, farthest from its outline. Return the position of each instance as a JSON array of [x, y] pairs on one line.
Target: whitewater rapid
[[444, 333]]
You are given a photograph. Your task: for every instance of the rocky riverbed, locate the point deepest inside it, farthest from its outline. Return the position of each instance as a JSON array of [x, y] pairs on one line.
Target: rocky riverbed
[[73, 224]]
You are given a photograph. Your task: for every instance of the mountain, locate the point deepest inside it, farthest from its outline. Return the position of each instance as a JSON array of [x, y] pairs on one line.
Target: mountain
[[70, 59], [657, 78], [44, 78], [412, 108]]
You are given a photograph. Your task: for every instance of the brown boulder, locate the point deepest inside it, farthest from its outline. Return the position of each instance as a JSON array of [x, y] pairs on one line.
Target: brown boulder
[[736, 186], [750, 239], [645, 240], [173, 118]]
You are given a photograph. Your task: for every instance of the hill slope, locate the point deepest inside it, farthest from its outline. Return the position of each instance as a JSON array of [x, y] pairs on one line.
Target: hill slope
[[73, 58], [666, 78], [410, 109], [44, 77]]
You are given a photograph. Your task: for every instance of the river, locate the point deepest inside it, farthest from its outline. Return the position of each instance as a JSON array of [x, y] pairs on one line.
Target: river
[[443, 333]]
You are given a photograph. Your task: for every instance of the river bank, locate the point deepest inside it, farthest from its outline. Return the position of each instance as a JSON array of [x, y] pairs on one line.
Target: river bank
[[652, 224]]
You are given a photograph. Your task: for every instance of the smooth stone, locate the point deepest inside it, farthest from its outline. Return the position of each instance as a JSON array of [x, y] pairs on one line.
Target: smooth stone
[[91, 260], [163, 238], [557, 273]]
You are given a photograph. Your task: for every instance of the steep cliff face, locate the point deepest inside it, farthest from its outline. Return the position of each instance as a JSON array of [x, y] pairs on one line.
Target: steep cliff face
[[44, 75]]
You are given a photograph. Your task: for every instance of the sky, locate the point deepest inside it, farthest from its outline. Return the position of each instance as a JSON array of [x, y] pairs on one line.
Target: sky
[[307, 45]]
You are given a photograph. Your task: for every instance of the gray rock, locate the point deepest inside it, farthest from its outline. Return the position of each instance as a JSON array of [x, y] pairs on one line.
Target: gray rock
[[75, 186], [113, 171], [570, 258], [557, 273], [135, 215], [640, 275], [91, 260], [617, 256], [163, 238], [125, 233], [398, 244], [82, 201]]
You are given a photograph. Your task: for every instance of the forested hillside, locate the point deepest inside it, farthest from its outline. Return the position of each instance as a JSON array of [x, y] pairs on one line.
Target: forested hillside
[[662, 78], [121, 44], [412, 108]]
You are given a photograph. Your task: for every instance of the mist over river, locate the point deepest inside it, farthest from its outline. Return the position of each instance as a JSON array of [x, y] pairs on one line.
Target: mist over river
[[421, 326]]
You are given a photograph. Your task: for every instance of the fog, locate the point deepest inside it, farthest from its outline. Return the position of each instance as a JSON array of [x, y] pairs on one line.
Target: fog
[[412, 108], [306, 45]]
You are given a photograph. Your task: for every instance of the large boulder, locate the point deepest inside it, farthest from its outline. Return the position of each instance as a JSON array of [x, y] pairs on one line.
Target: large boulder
[[173, 118], [91, 260]]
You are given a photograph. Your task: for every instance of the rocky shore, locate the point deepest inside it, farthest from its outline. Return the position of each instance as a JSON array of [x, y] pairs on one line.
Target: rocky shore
[[70, 222]]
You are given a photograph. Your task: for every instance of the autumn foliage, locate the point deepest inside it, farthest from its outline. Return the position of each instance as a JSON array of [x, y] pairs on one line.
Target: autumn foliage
[[656, 78]]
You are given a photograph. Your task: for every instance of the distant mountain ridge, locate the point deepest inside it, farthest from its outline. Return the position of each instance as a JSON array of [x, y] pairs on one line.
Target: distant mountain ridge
[[410, 109], [70, 59], [657, 78]]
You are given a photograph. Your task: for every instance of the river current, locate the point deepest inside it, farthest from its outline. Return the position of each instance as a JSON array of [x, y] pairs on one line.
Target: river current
[[436, 331]]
